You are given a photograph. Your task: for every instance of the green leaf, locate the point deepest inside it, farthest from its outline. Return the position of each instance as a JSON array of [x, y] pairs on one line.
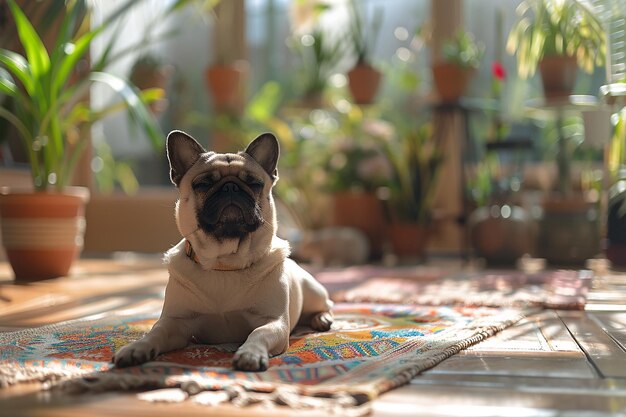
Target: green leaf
[[17, 65], [36, 52], [7, 86], [68, 63], [136, 107]]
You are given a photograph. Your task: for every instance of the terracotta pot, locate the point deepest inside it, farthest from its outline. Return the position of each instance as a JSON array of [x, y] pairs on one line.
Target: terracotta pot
[[569, 231], [42, 232], [226, 85], [451, 80], [408, 240], [501, 234], [363, 82], [362, 211], [558, 74]]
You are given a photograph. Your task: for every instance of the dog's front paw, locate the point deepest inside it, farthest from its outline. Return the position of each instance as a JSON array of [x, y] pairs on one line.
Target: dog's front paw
[[135, 353], [251, 359]]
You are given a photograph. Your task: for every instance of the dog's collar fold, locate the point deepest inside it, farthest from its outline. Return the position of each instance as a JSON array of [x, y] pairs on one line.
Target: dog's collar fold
[[219, 266]]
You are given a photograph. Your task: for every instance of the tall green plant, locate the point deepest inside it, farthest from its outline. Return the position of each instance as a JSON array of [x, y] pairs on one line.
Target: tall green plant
[[48, 94], [556, 27], [416, 158], [359, 37]]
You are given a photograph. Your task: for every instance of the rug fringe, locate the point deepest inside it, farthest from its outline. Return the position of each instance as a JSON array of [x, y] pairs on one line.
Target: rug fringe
[[13, 374], [340, 403]]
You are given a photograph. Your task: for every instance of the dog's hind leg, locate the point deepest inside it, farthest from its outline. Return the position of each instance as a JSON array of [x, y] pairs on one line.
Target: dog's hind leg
[[316, 305], [321, 322]]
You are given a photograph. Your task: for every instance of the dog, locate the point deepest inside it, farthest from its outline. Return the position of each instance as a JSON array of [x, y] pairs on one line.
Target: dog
[[230, 278]]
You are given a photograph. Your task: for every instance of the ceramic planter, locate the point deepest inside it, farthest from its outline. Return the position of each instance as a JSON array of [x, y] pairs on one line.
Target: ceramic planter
[[558, 74], [408, 240], [363, 82], [226, 86], [451, 80], [363, 211], [501, 234], [569, 231], [42, 232]]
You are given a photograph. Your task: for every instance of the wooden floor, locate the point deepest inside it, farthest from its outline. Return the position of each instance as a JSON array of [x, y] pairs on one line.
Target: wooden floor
[[553, 363]]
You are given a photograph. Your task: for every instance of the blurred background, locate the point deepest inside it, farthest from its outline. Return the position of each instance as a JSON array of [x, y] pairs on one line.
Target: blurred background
[[409, 129]]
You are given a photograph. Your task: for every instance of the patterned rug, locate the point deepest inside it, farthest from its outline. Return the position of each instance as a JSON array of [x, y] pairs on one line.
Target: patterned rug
[[370, 349], [563, 289]]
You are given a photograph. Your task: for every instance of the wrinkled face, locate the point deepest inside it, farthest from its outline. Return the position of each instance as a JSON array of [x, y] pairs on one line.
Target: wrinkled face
[[228, 196]]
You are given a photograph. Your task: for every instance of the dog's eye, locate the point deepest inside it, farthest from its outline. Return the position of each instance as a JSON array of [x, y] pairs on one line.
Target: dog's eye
[[254, 183], [202, 184]]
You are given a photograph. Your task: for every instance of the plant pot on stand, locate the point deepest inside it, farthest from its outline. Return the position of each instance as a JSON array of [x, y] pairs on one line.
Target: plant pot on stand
[[42, 232], [363, 82], [558, 75], [451, 80], [226, 85]]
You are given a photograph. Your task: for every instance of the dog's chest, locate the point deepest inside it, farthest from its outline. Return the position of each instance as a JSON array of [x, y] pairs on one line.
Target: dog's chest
[[211, 295]]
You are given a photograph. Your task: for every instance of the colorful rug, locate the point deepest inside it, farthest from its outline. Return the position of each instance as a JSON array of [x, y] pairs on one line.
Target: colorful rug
[[564, 289], [370, 349]]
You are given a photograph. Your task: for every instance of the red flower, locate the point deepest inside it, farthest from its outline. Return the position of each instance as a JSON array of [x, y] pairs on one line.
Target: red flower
[[498, 71]]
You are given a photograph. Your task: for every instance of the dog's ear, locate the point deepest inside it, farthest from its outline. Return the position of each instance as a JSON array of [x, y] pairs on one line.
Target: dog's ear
[[265, 151], [182, 152]]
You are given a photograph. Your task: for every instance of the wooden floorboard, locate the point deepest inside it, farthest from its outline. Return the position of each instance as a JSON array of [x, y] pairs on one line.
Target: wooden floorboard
[[604, 353]]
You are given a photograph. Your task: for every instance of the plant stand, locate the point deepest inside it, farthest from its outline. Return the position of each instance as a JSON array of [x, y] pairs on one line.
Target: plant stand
[[569, 231]]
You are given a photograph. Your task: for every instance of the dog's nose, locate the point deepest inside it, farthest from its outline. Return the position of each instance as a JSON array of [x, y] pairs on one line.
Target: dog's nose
[[230, 187]]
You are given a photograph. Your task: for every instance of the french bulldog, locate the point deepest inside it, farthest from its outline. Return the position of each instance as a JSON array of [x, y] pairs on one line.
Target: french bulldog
[[230, 278]]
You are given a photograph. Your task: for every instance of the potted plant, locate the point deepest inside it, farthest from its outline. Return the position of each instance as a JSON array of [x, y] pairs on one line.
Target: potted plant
[[226, 76], [452, 73], [416, 159], [352, 166], [557, 36], [42, 228], [363, 78], [149, 72]]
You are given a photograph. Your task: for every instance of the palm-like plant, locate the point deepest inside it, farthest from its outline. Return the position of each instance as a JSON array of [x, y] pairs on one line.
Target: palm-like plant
[[556, 27], [46, 96], [416, 159]]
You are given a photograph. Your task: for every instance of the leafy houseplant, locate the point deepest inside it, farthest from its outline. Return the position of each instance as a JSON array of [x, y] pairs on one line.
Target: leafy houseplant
[[49, 110], [416, 159], [363, 78], [557, 36], [461, 56]]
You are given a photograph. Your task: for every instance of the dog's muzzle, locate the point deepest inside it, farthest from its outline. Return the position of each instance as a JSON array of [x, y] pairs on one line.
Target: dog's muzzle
[[230, 212]]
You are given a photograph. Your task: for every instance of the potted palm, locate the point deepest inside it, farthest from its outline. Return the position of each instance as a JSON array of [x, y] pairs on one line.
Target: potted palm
[[363, 78], [42, 228], [452, 73], [416, 158], [557, 36]]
